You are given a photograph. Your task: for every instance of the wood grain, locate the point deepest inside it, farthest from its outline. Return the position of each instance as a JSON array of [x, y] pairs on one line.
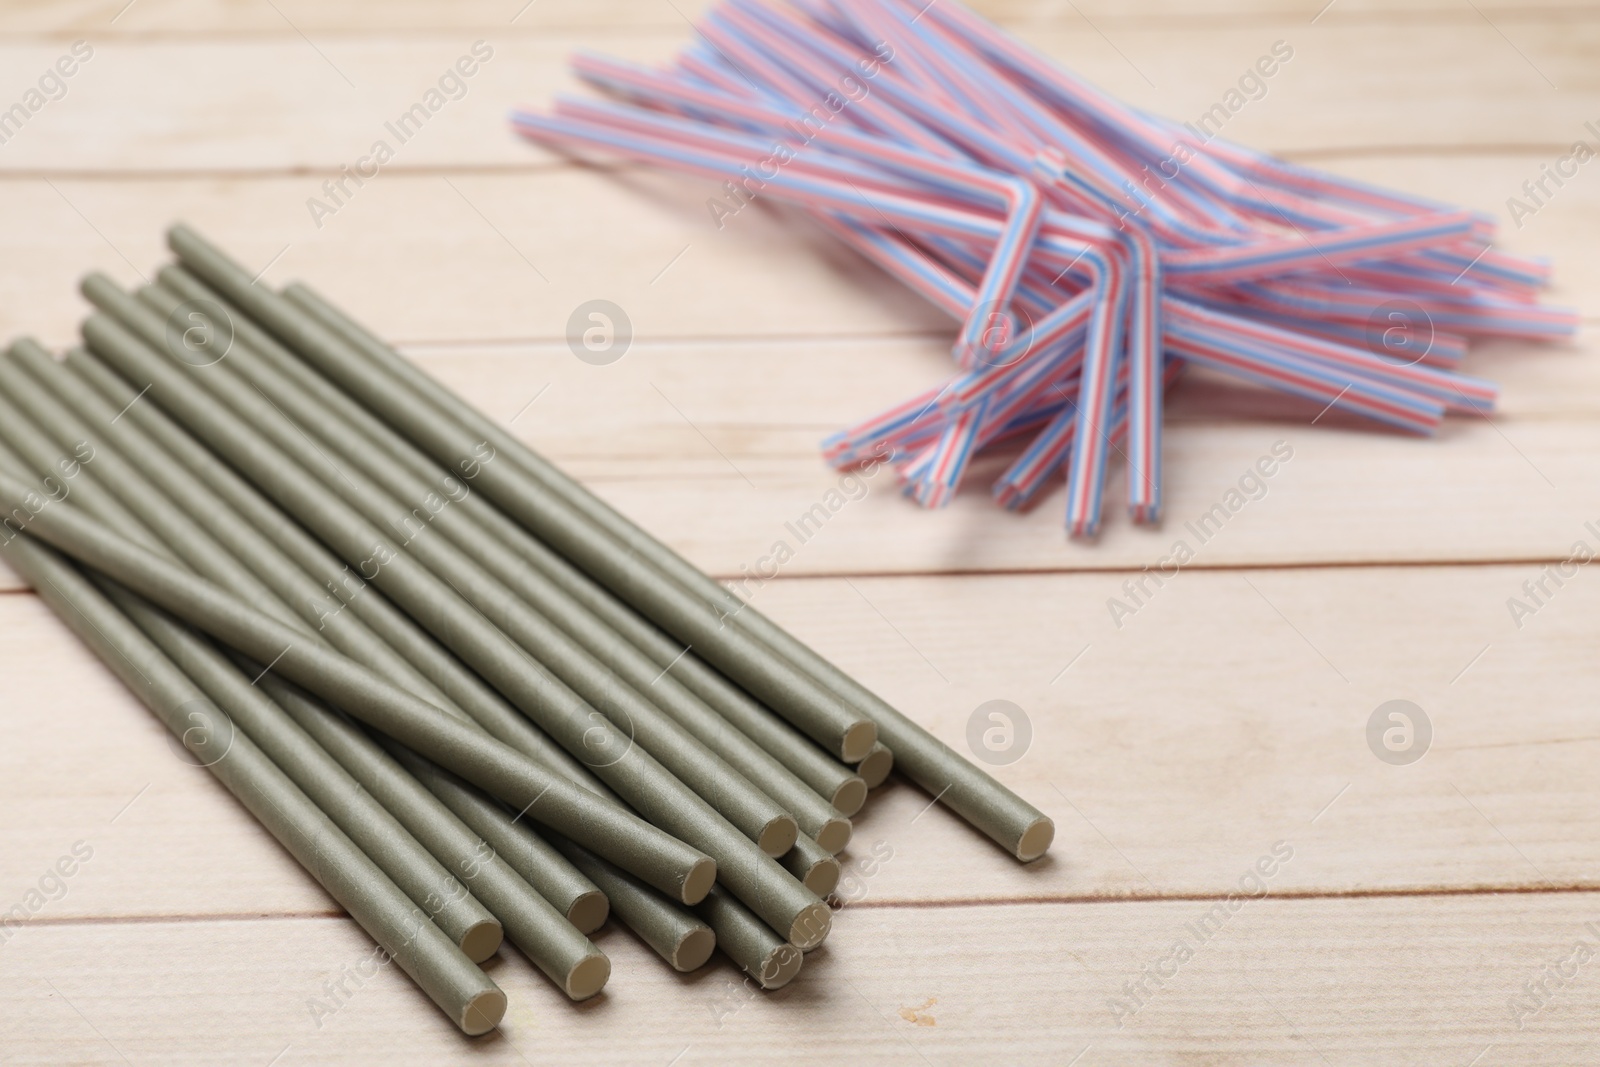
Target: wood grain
[[288, 103], [1162, 782], [1224, 716], [1406, 980]]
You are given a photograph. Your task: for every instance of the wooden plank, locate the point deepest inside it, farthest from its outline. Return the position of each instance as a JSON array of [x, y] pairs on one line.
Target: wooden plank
[[344, 17], [287, 103], [676, 437], [1396, 981], [511, 257], [1227, 713]]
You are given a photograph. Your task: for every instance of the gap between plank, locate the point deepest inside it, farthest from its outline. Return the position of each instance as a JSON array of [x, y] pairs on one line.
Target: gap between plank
[[910, 905]]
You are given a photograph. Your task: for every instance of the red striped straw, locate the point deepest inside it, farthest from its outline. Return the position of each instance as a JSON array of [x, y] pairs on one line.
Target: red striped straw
[[1087, 251]]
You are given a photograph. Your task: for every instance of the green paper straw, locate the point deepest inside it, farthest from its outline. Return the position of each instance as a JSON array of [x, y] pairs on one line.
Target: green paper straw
[[755, 877], [353, 435], [543, 620], [452, 981], [531, 922], [809, 706], [681, 939], [617, 835], [1006, 818]]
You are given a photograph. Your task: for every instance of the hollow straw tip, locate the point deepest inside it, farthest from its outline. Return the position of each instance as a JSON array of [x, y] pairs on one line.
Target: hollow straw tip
[[823, 877], [874, 769], [780, 967], [1035, 840], [588, 976], [858, 741], [693, 949], [589, 912], [481, 940], [834, 835], [698, 881], [779, 835], [810, 927], [482, 1013], [850, 797]]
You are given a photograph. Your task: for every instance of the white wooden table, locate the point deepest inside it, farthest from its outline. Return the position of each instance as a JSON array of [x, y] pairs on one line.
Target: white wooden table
[[1407, 906]]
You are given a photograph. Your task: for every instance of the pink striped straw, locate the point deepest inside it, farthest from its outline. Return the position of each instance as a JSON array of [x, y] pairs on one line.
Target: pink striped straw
[[1007, 191]]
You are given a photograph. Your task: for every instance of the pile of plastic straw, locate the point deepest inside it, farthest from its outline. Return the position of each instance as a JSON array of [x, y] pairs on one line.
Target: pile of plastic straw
[[1089, 250], [474, 701]]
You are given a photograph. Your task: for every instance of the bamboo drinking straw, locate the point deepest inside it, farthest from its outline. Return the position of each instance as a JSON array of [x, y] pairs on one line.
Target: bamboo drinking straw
[[1006, 818], [683, 940], [452, 981], [285, 413], [625, 839], [874, 770], [810, 706], [532, 923], [755, 877], [353, 435], [535, 860]]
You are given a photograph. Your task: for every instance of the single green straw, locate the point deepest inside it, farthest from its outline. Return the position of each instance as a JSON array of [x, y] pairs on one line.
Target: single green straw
[[680, 938], [531, 922], [535, 860], [452, 981], [811, 707], [1006, 818], [613, 833], [563, 593], [755, 877], [874, 770]]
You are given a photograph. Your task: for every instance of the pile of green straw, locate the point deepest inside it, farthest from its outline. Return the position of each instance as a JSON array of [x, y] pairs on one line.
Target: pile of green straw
[[473, 701]]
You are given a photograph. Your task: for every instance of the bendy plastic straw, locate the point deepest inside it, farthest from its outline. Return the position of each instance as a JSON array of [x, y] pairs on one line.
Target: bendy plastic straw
[[452, 981], [1008, 192]]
